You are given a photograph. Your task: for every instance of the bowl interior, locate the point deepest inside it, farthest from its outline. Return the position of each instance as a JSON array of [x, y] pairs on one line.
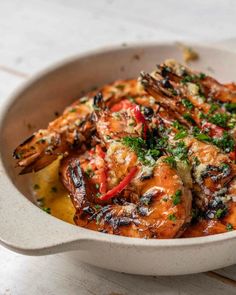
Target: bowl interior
[[36, 104]]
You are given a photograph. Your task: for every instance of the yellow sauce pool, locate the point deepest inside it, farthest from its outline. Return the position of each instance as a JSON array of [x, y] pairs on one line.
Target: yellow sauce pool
[[51, 195]]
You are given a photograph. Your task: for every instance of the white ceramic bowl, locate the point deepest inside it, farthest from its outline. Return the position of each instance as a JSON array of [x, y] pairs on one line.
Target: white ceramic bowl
[[26, 229]]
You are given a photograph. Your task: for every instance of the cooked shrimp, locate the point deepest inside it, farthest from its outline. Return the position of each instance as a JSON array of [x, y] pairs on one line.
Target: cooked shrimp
[[140, 159], [72, 129], [162, 211], [68, 131]]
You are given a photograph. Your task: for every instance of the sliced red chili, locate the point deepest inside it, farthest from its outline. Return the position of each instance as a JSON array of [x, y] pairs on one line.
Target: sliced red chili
[[121, 186], [140, 119]]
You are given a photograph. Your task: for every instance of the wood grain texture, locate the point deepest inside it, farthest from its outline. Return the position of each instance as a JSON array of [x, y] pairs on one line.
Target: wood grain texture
[[35, 34]]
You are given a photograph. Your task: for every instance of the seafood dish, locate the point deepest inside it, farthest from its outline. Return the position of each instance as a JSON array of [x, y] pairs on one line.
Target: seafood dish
[[152, 157]]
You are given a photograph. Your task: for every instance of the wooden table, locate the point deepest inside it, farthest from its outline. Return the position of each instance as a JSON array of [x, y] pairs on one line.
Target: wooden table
[[36, 33]]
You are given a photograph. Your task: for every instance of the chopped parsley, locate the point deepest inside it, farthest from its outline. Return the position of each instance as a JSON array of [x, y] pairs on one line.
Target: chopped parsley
[[202, 137], [213, 107], [176, 198], [181, 134], [97, 207], [172, 217], [147, 156], [178, 126], [226, 142], [179, 151], [171, 161], [187, 103], [73, 110], [230, 107], [219, 119], [220, 213], [47, 210], [229, 227], [189, 118]]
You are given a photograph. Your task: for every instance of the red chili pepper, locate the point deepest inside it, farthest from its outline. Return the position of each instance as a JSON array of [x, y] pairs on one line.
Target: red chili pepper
[[215, 131], [140, 119], [122, 185]]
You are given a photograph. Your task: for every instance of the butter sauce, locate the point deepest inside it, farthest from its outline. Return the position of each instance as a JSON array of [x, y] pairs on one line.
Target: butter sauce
[[50, 194]]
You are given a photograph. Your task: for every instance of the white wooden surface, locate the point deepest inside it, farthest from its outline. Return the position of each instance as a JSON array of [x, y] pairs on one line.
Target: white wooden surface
[[36, 33]]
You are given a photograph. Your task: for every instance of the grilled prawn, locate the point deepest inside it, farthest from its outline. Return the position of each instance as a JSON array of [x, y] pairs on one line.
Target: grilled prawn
[[146, 159]]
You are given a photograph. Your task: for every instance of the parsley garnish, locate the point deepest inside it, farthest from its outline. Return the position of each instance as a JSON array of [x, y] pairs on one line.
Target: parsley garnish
[[213, 108], [47, 210], [219, 120], [172, 217], [203, 137], [177, 197], [139, 146], [187, 103], [179, 151], [171, 161], [220, 213], [226, 142], [178, 126], [73, 110], [231, 107], [189, 118], [229, 227], [181, 134]]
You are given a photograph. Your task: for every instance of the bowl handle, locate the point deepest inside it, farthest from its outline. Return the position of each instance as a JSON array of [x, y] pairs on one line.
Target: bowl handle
[[26, 229]]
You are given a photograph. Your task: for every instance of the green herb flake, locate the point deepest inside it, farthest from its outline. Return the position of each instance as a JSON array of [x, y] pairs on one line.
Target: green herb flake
[[189, 118], [229, 227], [181, 134], [178, 126], [47, 210], [147, 156], [187, 103], [179, 151], [176, 198], [230, 107], [97, 207], [73, 110], [220, 213], [219, 119], [172, 217], [203, 137], [171, 161], [201, 76], [226, 142], [213, 108]]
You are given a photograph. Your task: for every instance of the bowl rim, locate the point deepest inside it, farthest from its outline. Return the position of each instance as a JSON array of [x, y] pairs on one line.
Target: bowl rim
[[90, 235]]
